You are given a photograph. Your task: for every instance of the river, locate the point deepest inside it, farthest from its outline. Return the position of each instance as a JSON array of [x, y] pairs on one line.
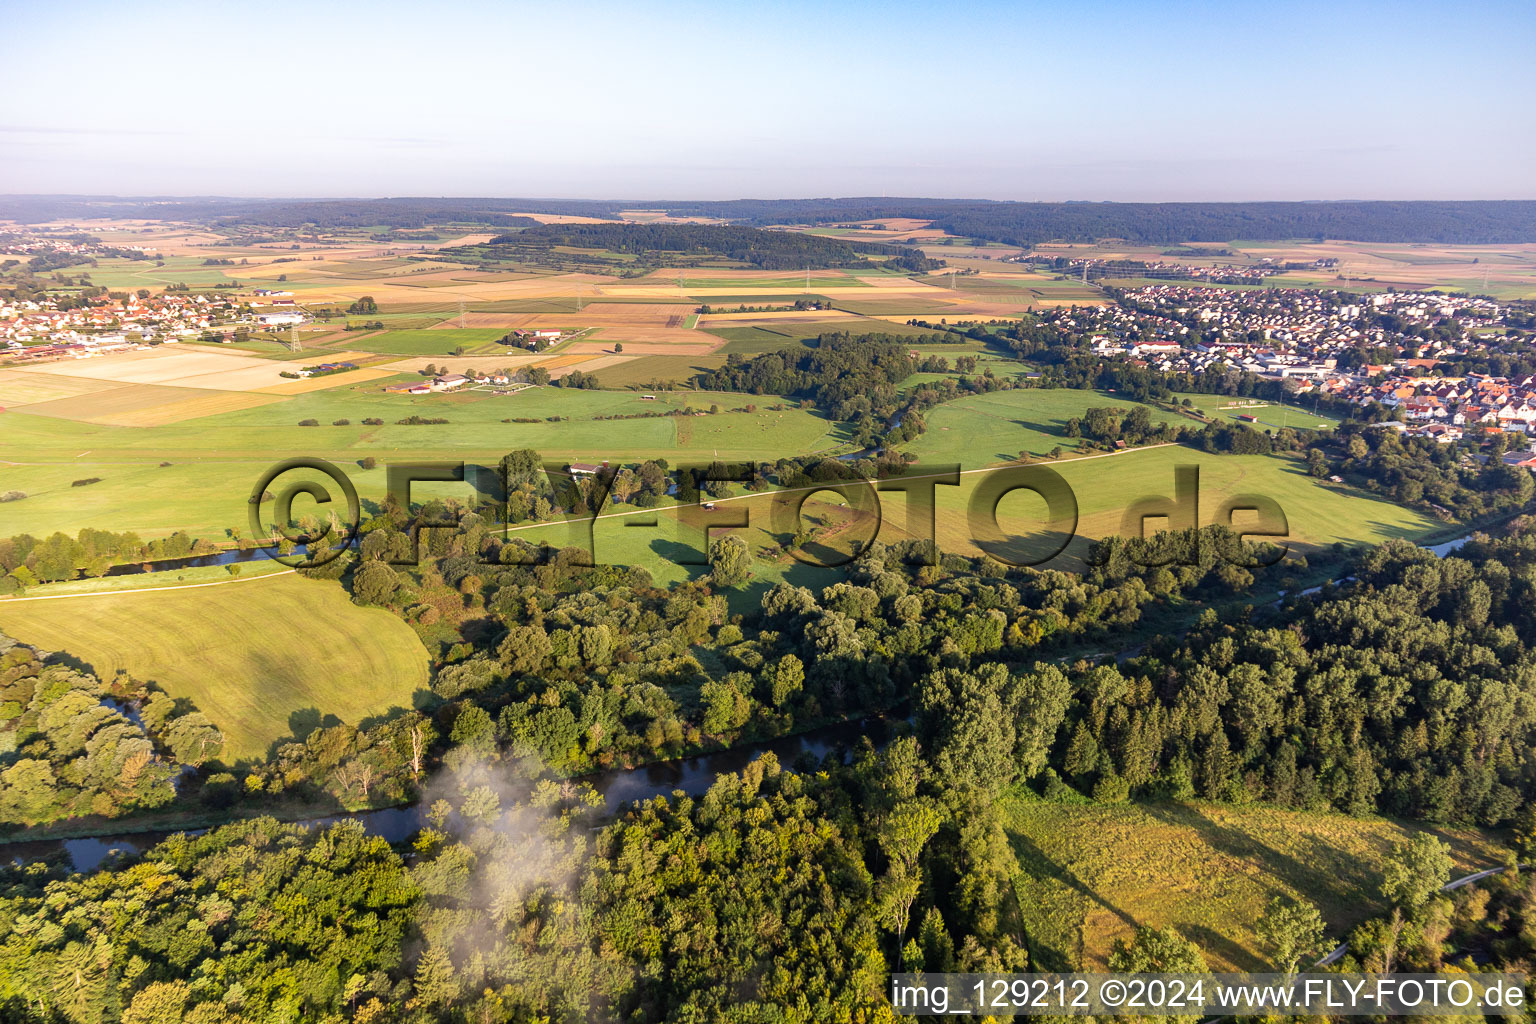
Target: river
[[619, 787]]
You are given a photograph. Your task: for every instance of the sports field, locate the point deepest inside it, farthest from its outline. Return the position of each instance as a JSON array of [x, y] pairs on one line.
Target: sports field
[[1091, 874], [258, 655]]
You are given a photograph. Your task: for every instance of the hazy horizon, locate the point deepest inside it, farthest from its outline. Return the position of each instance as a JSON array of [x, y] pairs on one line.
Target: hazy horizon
[[1130, 103]]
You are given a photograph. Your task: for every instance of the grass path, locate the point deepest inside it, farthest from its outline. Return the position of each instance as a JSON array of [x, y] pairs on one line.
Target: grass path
[[147, 590]]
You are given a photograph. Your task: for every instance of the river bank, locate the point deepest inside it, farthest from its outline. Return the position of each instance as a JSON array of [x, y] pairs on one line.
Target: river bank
[[691, 775], [620, 787]]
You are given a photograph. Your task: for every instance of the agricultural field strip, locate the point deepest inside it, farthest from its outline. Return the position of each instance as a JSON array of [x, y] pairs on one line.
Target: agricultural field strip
[[145, 590]]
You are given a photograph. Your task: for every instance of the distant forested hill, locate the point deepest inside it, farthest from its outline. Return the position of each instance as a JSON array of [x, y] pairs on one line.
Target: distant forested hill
[[1023, 224], [675, 244], [1442, 222]]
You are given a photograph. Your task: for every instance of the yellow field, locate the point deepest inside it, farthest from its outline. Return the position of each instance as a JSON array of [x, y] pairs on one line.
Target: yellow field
[[32, 388], [603, 361], [133, 401], [654, 322], [256, 655], [459, 364], [564, 360], [772, 319], [1506, 271], [177, 365], [207, 403], [646, 348], [330, 380]]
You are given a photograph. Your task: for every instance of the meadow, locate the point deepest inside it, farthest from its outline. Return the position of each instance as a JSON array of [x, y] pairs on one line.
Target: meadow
[[1298, 414], [670, 546], [265, 658], [1090, 874], [196, 475], [980, 430]]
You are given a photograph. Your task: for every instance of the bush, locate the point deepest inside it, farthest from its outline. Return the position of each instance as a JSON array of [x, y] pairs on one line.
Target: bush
[[373, 421], [13, 496], [368, 462], [86, 482], [341, 423], [309, 423]]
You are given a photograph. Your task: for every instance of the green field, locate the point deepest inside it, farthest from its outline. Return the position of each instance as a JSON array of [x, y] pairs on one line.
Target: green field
[[121, 274], [984, 429], [215, 461], [901, 305], [1317, 514], [263, 658], [790, 283], [1295, 413], [1090, 873], [642, 371]]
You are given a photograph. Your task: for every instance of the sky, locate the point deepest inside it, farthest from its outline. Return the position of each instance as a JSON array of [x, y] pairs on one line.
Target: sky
[[677, 100]]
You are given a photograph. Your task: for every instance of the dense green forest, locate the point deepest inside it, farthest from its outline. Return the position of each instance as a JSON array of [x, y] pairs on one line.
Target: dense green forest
[[1015, 223], [788, 892], [645, 247]]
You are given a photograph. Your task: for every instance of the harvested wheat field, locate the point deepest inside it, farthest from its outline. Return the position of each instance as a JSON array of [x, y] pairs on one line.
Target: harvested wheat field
[[147, 405], [173, 365], [208, 403], [327, 381], [573, 360], [596, 314], [693, 347], [459, 364], [590, 365], [772, 319], [398, 294], [18, 389]]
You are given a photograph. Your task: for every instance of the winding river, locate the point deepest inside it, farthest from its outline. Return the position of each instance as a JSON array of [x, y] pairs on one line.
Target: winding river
[[619, 787]]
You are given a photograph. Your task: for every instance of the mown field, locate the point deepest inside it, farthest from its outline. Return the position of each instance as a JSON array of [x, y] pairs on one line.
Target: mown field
[[215, 461], [1317, 514], [1296, 414], [1090, 874], [984, 429], [438, 342], [264, 658]]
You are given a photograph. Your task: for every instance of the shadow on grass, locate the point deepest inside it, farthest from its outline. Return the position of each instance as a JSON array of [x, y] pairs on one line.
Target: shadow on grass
[[1036, 862], [1321, 871]]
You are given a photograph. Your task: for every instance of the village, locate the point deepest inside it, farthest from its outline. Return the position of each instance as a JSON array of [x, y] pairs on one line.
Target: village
[[1091, 268], [1392, 349], [1322, 343]]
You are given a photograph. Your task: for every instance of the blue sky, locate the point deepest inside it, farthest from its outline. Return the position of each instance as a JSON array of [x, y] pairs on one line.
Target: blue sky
[[666, 99]]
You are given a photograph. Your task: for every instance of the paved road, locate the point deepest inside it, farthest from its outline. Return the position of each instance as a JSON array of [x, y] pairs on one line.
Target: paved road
[[1457, 883]]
